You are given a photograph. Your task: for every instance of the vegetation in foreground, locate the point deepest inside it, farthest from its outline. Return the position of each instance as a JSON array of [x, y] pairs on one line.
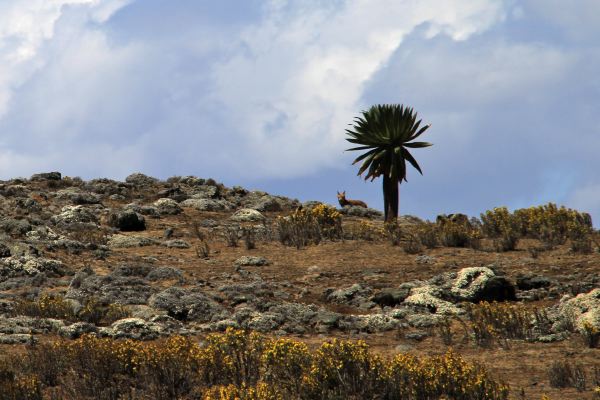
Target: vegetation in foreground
[[236, 365]]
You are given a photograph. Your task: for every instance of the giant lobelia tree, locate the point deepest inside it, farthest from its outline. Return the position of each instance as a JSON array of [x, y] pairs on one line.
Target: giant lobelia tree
[[387, 131]]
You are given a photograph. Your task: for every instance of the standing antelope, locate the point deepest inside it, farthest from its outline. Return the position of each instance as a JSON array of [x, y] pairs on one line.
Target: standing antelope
[[345, 202]]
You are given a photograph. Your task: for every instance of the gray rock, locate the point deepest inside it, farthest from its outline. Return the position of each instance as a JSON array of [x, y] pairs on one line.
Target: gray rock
[[127, 221], [207, 204], [205, 192], [166, 206], [186, 304], [110, 289], [149, 211], [416, 335], [132, 328], [357, 211], [356, 295], [370, 323], [17, 338], [177, 244], [252, 261], [135, 269], [78, 197], [16, 266], [140, 179], [125, 241], [583, 310], [75, 214], [14, 226], [262, 202], [47, 176], [77, 329], [428, 298], [247, 215], [423, 320], [165, 273], [4, 251], [28, 325]]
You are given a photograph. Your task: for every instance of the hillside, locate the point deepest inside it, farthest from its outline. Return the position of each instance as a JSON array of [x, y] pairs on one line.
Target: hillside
[[147, 260]]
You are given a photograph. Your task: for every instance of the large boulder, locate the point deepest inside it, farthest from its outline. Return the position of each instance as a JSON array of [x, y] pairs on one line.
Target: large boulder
[[125, 241], [47, 176], [247, 215], [132, 328], [355, 295], [18, 266], [207, 204], [127, 221], [75, 215], [140, 179], [477, 284], [186, 304], [583, 310], [166, 206]]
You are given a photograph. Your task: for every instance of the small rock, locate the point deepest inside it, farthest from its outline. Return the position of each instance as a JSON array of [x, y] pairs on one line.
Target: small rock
[[247, 215], [251, 261], [166, 206], [177, 244]]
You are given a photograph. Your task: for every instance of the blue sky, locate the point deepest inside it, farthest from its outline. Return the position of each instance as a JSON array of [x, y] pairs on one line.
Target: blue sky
[[259, 93]]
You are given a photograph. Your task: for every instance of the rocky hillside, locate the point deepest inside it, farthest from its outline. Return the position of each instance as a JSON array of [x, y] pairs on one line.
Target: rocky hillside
[[146, 259]]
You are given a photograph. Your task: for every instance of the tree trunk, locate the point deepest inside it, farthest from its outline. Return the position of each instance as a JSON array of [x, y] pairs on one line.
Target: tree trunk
[[390, 198]]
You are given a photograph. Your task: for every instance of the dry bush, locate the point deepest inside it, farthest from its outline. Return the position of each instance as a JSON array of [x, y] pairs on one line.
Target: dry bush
[[298, 229], [501, 321], [249, 236], [231, 234], [590, 335], [363, 230], [428, 235], [236, 365], [46, 306], [393, 232], [412, 244], [562, 374]]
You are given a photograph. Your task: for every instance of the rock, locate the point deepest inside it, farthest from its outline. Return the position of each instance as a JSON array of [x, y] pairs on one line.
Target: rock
[[262, 202], [357, 211], [136, 269], [251, 261], [175, 193], [583, 310], [205, 192], [127, 221], [207, 204], [109, 289], [140, 179], [186, 304], [14, 226], [425, 259], [529, 282], [75, 214], [355, 295], [428, 298], [41, 233], [46, 176], [17, 266], [247, 215], [132, 328], [423, 320], [150, 211], [78, 197], [370, 323], [177, 244], [165, 274], [482, 284], [166, 206], [390, 297], [17, 338], [29, 325], [124, 241], [416, 335], [77, 329]]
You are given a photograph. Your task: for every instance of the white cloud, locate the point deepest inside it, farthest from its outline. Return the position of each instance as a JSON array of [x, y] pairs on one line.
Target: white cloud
[[299, 82]]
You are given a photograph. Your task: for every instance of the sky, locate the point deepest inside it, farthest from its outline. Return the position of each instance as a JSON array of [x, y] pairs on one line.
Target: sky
[[259, 94]]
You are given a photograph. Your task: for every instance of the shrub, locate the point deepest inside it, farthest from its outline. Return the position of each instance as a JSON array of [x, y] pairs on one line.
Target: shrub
[[46, 306], [456, 234], [329, 220], [298, 229], [590, 334], [363, 230], [562, 374], [393, 232], [428, 235], [232, 235]]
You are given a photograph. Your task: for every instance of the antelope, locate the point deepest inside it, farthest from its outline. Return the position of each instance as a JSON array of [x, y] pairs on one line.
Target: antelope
[[345, 202]]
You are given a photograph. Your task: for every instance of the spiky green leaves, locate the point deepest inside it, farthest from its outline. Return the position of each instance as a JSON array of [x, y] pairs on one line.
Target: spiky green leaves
[[386, 131]]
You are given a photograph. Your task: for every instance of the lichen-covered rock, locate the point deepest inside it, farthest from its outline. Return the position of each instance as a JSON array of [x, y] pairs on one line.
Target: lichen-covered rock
[[207, 204], [583, 310], [166, 206], [355, 295], [247, 215], [110, 288], [149, 211], [390, 297], [124, 241], [78, 197], [357, 211], [17, 338], [74, 215], [177, 244], [77, 329], [140, 179], [165, 274], [482, 284], [428, 298], [132, 328], [252, 261], [15, 226], [17, 266], [187, 304]]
